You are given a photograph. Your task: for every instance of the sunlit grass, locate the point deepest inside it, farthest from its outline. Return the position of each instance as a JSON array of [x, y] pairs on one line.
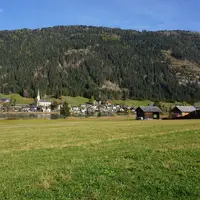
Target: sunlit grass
[[99, 159]]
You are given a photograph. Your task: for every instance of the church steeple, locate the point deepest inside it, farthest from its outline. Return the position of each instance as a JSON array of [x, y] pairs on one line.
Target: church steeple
[[38, 97]]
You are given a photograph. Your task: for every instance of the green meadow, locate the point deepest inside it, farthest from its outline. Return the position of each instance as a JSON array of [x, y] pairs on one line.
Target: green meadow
[[19, 99], [74, 100], [106, 158]]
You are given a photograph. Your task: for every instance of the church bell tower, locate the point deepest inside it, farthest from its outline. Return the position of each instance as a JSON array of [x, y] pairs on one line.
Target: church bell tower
[[38, 97]]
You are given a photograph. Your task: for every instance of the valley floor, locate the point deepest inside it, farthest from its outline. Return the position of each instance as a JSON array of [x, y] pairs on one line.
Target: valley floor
[[108, 158]]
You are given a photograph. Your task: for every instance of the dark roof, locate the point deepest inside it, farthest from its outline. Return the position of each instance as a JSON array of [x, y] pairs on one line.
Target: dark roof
[[150, 109], [186, 109]]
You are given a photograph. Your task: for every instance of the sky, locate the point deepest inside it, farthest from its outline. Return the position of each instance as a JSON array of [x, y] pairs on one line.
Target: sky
[[125, 14]]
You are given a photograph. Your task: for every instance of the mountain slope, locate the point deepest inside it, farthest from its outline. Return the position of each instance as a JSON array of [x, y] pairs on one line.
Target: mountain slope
[[104, 62]]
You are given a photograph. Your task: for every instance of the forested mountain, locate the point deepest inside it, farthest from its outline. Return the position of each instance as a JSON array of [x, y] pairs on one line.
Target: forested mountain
[[104, 62]]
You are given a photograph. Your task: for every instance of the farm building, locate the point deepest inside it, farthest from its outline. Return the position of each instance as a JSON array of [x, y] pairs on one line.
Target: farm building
[[148, 112], [193, 115], [181, 111]]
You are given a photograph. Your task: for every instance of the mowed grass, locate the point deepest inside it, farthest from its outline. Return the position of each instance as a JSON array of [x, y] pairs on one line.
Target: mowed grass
[[99, 159]]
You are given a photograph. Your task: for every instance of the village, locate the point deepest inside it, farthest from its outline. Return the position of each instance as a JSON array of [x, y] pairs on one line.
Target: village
[[99, 109]]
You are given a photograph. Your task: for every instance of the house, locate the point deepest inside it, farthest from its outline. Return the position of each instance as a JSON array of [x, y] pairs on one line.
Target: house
[[83, 110], [108, 103], [4, 100], [25, 109], [181, 111], [75, 110], [193, 115], [121, 110], [148, 112], [33, 108], [132, 109], [90, 110]]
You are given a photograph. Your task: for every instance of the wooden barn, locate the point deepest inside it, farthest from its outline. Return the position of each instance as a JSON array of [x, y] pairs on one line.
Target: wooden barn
[[193, 115], [148, 112], [181, 111]]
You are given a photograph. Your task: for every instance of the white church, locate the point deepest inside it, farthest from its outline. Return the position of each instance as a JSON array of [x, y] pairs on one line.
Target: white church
[[43, 103]]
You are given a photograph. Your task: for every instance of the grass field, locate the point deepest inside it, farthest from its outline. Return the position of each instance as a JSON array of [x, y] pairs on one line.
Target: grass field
[[99, 159]]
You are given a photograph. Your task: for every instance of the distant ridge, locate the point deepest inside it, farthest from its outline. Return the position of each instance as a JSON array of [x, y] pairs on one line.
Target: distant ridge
[[102, 62]]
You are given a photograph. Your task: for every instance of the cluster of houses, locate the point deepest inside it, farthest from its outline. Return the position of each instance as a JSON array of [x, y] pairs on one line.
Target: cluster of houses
[[106, 109], [97, 107], [46, 106]]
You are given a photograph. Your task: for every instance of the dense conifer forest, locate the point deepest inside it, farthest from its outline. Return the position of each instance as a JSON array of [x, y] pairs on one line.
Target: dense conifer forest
[[101, 62]]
